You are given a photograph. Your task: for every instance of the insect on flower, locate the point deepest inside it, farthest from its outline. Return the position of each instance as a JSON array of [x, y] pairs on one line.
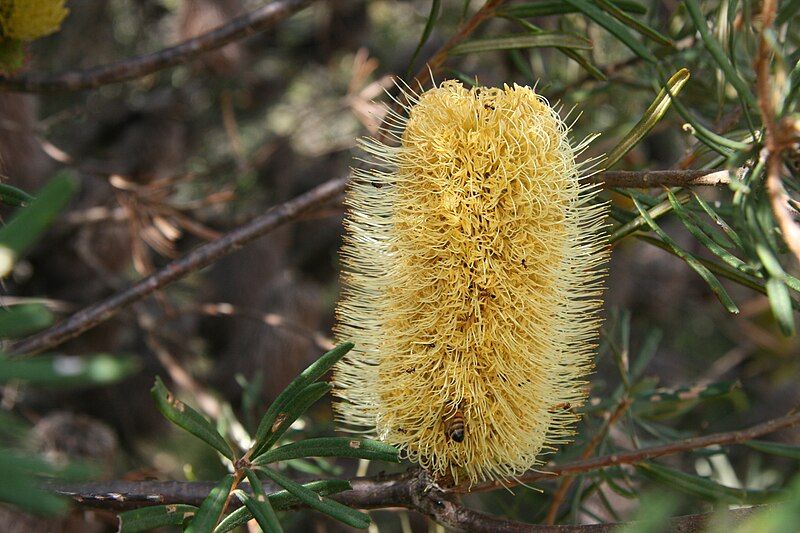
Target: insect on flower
[[473, 256], [454, 426]]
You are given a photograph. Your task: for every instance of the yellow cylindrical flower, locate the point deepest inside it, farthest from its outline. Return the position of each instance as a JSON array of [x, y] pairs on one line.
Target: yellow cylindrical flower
[[27, 20], [472, 283]]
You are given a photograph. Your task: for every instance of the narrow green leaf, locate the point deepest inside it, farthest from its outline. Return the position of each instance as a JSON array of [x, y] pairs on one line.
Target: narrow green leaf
[[690, 260], [615, 27], [332, 508], [658, 210], [510, 42], [24, 319], [716, 51], [68, 371], [691, 224], [14, 197], [634, 23], [259, 505], [770, 262], [148, 518], [28, 223], [786, 11], [719, 269], [701, 487], [261, 510], [791, 451], [282, 500], [719, 221], [651, 117], [20, 484], [208, 515], [426, 32], [315, 371], [331, 447], [524, 67], [187, 418], [781, 304], [716, 142], [12, 55], [308, 397], [559, 7]]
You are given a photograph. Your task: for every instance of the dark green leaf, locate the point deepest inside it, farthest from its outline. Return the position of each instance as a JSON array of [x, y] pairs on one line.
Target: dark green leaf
[[210, 510], [315, 371], [12, 55], [786, 11], [67, 371], [716, 51], [262, 511], [524, 67], [332, 508], [282, 500], [20, 320], [692, 225], [559, 7], [510, 42], [187, 418], [701, 487], [719, 221], [615, 27], [14, 197], [781, 304], [148, 518], [20, 482], [426, 32], [633, 23], [775, 448], [28, 223], [331, 447], [259, 505], [690, 260], [302, 402]]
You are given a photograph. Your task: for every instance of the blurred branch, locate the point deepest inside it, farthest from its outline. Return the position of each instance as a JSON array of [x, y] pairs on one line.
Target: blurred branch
[[776, 136], [415, 490], [279, 215], [199, 258], [256, 21]]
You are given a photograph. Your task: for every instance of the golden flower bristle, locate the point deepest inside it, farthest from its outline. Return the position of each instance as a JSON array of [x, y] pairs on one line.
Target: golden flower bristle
[[27, 20], [472, 283]]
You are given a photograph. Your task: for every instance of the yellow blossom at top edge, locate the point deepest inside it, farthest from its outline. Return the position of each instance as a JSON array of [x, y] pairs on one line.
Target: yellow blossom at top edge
[[27, 20]]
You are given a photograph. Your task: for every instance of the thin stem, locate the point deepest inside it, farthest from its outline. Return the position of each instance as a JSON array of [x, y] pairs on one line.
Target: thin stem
[[256, 21]]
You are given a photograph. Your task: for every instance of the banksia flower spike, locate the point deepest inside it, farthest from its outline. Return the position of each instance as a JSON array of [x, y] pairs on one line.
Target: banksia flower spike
[[472, 283]]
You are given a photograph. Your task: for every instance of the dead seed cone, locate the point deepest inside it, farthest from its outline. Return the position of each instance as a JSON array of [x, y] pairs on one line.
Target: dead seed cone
[[472, 283]]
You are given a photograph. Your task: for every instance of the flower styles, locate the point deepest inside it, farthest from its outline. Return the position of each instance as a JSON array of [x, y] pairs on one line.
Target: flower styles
[[472, 283]]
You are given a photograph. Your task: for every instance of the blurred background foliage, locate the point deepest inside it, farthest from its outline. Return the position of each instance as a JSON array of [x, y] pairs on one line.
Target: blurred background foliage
[[698, 336]]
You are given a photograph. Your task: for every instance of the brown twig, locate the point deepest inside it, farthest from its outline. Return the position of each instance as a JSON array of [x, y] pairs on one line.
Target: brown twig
[[206, 254], [776, 136], [566, 483], [437, 60], [201, 257], [643, 454], [661, 178], [413, 489], [256, 21]]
